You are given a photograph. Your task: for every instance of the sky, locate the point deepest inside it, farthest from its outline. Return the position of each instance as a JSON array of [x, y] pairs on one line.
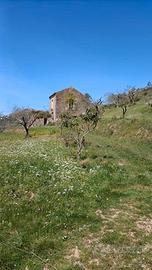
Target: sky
[[96, 46]]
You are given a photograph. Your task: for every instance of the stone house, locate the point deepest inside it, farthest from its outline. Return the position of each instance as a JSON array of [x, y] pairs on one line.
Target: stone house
[[68, 99]]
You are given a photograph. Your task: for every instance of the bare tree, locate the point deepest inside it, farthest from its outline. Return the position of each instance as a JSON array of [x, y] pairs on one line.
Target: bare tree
[[121, 101], [76, 128], [132, 95], [25, 118]]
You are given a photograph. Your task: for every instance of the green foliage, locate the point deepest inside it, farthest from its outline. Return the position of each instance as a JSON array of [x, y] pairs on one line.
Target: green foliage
[[74, 128]]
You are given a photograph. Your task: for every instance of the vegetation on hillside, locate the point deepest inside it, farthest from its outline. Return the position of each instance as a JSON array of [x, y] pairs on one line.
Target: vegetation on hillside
[[59, 214], [75, 129]]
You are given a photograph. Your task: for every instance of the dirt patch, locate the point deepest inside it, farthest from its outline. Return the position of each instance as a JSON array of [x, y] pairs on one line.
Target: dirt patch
[[145, 225], [143, 133], [74, 254], [122, 162], [112, 214]]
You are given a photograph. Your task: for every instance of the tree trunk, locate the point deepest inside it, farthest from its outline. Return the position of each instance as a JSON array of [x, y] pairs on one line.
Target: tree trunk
[[61, 130], [79, 147], [124, 110], [78, 152], [27, 131]]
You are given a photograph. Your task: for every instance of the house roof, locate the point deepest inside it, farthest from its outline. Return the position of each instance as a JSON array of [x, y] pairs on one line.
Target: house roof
[[52, 95], [69, 89]]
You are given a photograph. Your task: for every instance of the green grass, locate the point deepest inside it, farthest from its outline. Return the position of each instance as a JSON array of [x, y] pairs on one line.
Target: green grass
[[44, 130], [58, 214]]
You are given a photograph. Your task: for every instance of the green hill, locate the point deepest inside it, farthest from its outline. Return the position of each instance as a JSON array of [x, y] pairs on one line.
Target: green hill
[[96, 214]]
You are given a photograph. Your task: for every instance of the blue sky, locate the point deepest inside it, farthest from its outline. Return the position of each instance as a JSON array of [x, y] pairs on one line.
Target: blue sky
[[95, 46]]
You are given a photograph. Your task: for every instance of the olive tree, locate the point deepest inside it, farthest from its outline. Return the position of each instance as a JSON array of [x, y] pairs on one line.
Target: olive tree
[[75, 128]]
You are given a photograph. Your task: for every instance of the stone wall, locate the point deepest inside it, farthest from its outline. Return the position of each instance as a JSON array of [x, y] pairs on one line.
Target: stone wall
[[81, 103]]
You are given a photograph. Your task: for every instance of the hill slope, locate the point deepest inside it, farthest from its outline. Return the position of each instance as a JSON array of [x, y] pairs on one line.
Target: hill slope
[[58, 214]]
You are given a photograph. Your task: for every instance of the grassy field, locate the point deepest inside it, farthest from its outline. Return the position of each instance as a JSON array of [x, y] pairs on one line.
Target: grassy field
[[93, 215]]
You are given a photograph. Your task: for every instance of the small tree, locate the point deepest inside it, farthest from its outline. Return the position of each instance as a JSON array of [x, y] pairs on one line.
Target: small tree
[[121, 101], [132, 95], [25, 118], [76, 128]]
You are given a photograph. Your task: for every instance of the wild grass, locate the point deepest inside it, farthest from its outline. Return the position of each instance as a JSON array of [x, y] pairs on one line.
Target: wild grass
[[60, 214]]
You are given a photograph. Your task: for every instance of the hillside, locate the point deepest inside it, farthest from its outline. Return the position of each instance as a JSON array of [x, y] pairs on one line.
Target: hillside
[[60, 214]]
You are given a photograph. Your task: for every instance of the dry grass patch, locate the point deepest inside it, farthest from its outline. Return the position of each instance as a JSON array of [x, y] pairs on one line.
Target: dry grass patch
[[145, 225]]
